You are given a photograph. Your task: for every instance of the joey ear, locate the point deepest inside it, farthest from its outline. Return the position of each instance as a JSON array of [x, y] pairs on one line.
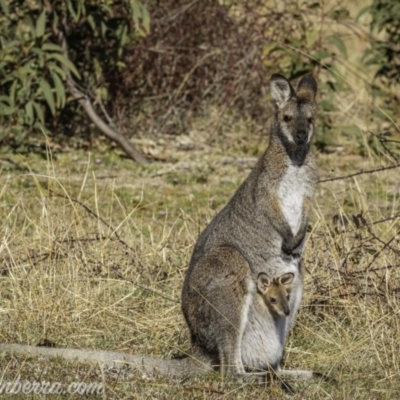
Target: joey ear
[[263, 282], [286, 279], [307, 89], [281, 89]]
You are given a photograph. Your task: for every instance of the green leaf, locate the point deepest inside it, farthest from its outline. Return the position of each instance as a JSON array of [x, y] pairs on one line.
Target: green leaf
[[6, 110], [54, 67], [4, 98], [145, 19], [29, 112], [60, 90], [13, 90], [65, 61], [41, 24], [48, 95], [91, 22], [51, 47], [140, 17], [103, 29], [336, 41], [97, 69], [4, 6], [72, 11], [38, 111]]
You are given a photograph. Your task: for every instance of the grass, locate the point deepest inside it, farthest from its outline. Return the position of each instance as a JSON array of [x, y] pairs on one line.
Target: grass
[[94, 257]]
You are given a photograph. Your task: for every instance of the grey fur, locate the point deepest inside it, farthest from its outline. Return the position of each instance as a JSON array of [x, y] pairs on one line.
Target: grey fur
[[251, 235]]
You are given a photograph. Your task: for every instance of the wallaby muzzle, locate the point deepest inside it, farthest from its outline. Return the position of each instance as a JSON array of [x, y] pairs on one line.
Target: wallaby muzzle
[[300, 138]]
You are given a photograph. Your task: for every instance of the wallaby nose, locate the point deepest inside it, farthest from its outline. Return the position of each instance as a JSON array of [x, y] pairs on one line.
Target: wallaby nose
[[287, 312], [301, 137]]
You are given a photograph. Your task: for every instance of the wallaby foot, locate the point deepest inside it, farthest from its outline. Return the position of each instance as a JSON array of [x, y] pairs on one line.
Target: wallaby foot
[[303, 375], [259, 378]]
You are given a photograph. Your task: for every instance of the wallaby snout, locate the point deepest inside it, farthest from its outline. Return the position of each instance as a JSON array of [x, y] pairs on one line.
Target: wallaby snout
[[301, 138], [286, 311]]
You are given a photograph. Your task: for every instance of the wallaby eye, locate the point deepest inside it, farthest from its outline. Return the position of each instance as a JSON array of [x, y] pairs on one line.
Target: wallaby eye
[[273, 300], [288, 296], [287, 118], [310, 120]]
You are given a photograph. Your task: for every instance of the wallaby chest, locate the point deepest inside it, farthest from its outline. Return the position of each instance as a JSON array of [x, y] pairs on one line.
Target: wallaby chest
[[292, 190]]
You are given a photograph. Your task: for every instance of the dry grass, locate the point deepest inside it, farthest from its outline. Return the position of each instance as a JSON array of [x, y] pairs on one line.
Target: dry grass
[[94, 250], [110, 278]]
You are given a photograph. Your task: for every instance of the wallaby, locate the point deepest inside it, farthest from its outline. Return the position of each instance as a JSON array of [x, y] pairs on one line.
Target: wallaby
[[276, 292], [260, 230]]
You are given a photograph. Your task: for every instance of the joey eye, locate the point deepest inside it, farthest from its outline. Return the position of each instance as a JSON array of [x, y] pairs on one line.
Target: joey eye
[[310, 120], [273, 300], [287, 118]]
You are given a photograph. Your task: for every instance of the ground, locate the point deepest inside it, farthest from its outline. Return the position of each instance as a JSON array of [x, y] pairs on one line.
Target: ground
[[95, 249]]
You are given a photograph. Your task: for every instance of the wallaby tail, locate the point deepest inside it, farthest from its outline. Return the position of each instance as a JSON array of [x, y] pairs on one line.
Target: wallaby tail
[[147, 366]]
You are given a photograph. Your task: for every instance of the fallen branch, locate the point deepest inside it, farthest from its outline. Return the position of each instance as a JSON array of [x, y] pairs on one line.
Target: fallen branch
[[86, 104]]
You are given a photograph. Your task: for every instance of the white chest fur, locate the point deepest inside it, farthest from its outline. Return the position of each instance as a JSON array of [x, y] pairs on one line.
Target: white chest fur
[[291, 193]]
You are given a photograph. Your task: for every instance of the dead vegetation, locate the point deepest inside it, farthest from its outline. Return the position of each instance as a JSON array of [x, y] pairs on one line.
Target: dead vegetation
[[95, 258]]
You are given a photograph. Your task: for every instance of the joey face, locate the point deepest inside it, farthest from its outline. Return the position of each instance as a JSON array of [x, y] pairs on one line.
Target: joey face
[[295, 108], [276, 292]]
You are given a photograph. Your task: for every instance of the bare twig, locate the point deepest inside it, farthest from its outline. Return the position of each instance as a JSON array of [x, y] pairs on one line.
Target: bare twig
[[362, 172], [382, 137], [381, 241]]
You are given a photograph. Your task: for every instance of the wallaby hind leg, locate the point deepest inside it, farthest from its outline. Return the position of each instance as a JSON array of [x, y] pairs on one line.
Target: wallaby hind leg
[[215, 301]]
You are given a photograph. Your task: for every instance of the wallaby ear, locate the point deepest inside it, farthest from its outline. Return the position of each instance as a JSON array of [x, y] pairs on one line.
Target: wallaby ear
[[281, 89], [307, 89], [263, 282], [286, 279]]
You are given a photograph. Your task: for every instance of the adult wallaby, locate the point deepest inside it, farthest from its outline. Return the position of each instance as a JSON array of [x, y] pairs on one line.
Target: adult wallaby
[[260, 230]]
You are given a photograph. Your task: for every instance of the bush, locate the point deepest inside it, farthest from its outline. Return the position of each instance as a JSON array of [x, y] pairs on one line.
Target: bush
[[34, 67]]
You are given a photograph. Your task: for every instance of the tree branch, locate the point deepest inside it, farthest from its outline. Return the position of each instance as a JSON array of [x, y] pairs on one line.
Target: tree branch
[[86, 104]]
